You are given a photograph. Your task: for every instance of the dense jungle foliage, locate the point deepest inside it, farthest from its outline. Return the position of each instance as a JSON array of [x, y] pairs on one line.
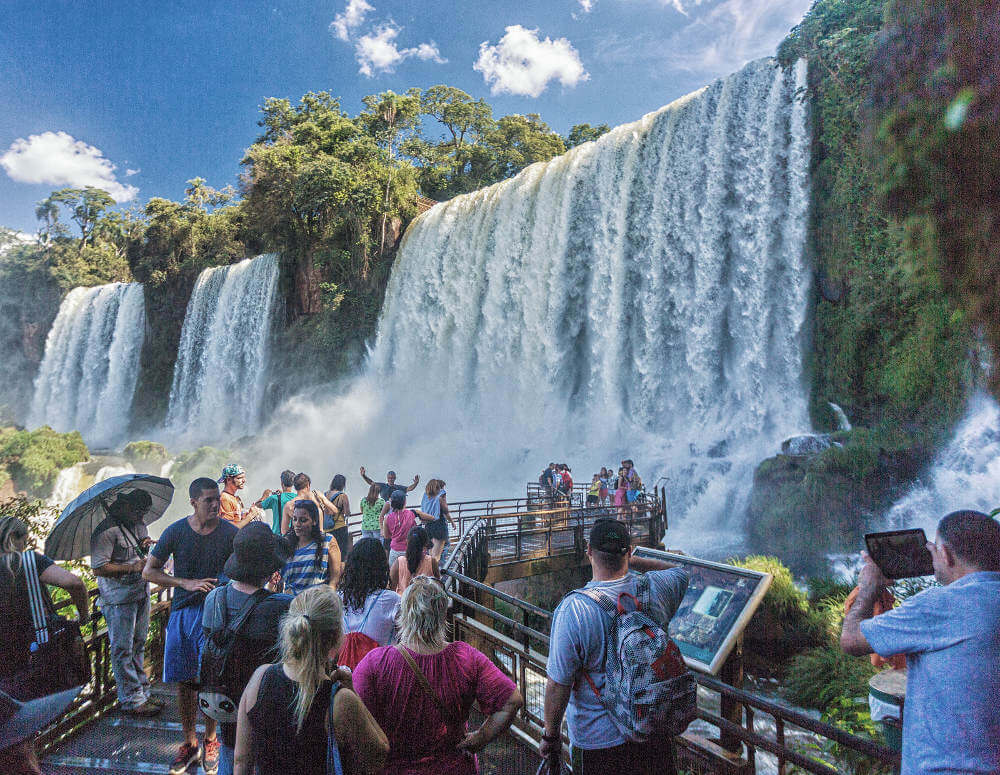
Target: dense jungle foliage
[[329, 191], [31, 460], [889, 345], [936, 88]]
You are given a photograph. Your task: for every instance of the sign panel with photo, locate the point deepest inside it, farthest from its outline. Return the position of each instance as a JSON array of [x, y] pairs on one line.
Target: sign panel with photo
[[718, 605]]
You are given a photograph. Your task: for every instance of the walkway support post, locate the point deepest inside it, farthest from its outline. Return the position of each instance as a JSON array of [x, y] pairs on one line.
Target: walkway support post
[[730, 708]]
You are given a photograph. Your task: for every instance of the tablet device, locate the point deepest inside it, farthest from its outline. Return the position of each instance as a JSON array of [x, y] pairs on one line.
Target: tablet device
[[900, 554]]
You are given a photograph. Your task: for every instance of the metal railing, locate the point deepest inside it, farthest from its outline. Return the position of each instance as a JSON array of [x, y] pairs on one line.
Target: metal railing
[[100, 694], [519, 645], [516, 638]]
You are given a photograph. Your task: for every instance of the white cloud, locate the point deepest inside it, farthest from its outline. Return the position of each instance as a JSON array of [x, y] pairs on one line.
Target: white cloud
[[727, 34], [377, 51], [587, 5], [350, 19], [523, 64], [130, 173], [59, 159]]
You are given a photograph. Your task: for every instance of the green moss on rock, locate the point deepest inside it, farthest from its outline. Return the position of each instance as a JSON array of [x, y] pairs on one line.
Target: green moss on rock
[[33, 459]]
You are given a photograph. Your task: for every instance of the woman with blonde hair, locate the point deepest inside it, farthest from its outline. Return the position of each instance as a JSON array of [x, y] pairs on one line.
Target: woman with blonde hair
[[421, 690], [435, 503], [296, 713]]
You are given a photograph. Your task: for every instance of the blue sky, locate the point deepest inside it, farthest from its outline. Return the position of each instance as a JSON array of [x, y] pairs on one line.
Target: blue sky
[[139, 97]]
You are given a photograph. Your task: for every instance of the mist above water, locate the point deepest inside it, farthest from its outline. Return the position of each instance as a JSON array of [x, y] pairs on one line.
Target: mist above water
[[643, 295]]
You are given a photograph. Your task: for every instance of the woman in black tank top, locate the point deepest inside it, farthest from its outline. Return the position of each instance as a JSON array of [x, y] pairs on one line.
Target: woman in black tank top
[[285, 711], [279, 747]]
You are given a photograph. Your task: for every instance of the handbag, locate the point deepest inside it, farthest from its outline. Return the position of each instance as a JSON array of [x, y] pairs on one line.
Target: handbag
[[58, 659], [333, 763]]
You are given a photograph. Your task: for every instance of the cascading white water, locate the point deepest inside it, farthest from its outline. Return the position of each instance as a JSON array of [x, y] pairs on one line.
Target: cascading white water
[[643, 295], [964, 475], [88, 373], [221, 368]]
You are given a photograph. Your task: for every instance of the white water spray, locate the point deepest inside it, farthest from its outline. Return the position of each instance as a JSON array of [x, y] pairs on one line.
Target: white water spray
[[221, 368], [643, 295], [965, 474], [88, 373]]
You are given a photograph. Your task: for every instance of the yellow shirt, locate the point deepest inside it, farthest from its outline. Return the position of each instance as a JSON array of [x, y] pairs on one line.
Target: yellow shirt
[[231, 508]]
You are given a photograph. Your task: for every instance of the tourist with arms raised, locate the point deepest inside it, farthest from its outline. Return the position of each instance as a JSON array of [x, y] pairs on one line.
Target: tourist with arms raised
[[951, 638], [389, 486], [199, 545]]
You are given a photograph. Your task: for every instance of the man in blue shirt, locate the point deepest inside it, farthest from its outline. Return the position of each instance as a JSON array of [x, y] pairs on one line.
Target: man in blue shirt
[[578, 644], [951, 638]]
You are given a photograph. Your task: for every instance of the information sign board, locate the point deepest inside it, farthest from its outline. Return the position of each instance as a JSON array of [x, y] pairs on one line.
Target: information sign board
[[718, 605]]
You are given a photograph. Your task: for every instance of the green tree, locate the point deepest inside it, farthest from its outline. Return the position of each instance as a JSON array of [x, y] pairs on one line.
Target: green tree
[[516, 142], [387, 118], [85, 207], [584, 133]]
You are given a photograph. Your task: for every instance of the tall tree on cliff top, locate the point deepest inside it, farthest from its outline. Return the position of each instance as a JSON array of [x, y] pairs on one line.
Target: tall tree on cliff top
[[315, 182], [84, 205], [388, 118]]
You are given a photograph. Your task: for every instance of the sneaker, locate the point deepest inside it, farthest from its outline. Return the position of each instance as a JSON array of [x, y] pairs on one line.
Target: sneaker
[[186, 757], [146, 710], [210, 757]]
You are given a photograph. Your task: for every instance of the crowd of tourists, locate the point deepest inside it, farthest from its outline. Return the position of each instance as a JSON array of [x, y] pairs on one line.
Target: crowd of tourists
[[308, 653], [605, 489]]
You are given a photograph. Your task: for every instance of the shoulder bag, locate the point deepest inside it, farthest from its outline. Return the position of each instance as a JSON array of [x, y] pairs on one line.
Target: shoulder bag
[[58, 659]]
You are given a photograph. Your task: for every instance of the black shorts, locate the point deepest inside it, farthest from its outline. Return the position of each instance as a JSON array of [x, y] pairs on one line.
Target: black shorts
[[438, 529], [592, 500]]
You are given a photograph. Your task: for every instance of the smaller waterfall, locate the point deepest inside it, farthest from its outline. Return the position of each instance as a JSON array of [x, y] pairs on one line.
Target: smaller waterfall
[[88, 374], [221, 368], [843, 424], [965, 475]]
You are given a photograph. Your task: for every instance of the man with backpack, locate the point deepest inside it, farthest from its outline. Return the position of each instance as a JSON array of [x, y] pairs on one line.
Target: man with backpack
[[604, 648], [241, 622]]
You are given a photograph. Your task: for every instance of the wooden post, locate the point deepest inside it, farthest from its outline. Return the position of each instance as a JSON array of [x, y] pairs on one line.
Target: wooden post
[[731, 710]]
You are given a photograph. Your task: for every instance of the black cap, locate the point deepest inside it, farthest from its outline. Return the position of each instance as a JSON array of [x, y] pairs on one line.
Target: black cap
[[257, 553], [611, 536]]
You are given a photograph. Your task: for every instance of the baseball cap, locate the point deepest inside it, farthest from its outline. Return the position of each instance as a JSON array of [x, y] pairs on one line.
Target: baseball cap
[[611, 536]]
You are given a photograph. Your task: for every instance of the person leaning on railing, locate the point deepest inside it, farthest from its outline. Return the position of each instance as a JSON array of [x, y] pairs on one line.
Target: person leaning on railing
[[951, 638], [421, 691], [15, 612]]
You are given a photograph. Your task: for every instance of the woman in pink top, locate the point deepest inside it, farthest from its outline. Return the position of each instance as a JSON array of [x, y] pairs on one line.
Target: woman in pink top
[[426, 727], [397, 524], [416, 561]]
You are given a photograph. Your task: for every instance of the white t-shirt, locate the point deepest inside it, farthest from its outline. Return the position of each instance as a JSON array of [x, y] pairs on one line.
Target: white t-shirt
[[381, 607]]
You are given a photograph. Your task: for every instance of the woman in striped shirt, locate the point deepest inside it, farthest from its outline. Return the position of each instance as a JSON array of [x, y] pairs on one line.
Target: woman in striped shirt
[[316, 558]]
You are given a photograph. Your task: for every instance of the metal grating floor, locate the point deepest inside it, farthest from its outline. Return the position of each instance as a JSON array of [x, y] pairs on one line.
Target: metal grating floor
[[121, 745]]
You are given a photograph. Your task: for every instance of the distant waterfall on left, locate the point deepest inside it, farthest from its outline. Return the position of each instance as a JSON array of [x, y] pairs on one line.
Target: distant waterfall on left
[[88, 374], [221, 369]]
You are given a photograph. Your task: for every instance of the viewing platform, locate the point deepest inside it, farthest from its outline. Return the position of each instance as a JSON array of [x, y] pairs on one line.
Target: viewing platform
[[737, 732]]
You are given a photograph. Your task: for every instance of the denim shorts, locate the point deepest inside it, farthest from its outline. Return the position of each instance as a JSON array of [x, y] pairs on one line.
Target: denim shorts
[[182, 650]]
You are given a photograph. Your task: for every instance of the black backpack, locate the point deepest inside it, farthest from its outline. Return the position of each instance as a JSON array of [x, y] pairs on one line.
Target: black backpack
[[218, 674]]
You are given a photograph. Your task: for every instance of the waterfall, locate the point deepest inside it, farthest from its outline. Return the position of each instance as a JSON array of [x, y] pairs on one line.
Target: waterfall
[[641, 296], [221, 368], [964, 475], [88, 373]]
